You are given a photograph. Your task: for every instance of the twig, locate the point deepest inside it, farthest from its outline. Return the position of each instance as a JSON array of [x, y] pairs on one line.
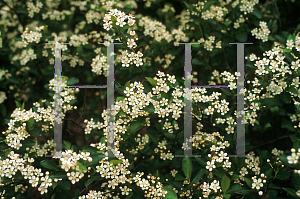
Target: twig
[[74, 123], [285, 136], [226, 61], [277, 13], [81, 112], [88, 187]]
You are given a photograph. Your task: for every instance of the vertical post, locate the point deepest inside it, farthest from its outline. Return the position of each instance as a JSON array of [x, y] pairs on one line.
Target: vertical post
[[188, 133], [240, 135], [110, 98], [58, 101]]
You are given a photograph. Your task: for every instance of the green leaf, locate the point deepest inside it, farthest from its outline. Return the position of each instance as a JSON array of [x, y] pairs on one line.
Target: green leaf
[[219, 172], [3, 110], [49, 164], [30, 123], [72, 81], [114, 20], [226, 196], [23, 105], [283, 175], [6, 153], [198, 176], [287, 124], [125, 27], [296, 180], [292, 89], [129, 195], [76, 194], [227, 22], [248, 182], [267, 126], [88, 182], [201, 161], [289, 57], [81, 166], [67, 145], [145, 64], [271, 38], [120, 98], [225, 183], [256, 12], [207, 5], [187, 167], [292, 192], [58, 174], [18, 104], [190, 7], [65, 185], [135, 126], [151, 81], [119, 89], [115, 162], [170, 193], [179, 177], [54, 184], [241, 36], [95, 160], [234, 188], [143, 43], [286, 97], [127, 84], [290, 37]]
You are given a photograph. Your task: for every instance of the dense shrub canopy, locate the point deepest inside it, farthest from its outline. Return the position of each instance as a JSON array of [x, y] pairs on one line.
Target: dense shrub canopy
[[150, 97]]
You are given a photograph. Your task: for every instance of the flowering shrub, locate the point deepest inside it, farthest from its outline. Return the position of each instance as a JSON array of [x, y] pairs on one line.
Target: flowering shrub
[[149, 102]]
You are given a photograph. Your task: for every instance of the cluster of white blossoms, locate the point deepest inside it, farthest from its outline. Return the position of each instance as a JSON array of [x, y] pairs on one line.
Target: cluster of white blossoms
[[120, 19], [99, 65], [131, 58], [246, 6], [71, 164], [216, 12], [155, 29], [208, 44], [2, 97], [290, 43], [239, 21], [34, 8], [56, 15], [261, 33]]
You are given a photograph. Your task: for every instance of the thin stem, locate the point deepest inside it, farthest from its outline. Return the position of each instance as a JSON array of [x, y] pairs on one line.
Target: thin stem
[[285, 136], [278, 14], [81, 112], [226, 61]]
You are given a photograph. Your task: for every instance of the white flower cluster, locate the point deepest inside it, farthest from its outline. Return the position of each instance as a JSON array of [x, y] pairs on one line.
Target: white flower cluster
[[246, 6], [56, 15], [155, 29], [293, 158], [71, 163], [261, 33], [208, 44], [131, 58], [34, 8], [99, 64], [290, 43], [120, 19], [2, 97], [216, 12]]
